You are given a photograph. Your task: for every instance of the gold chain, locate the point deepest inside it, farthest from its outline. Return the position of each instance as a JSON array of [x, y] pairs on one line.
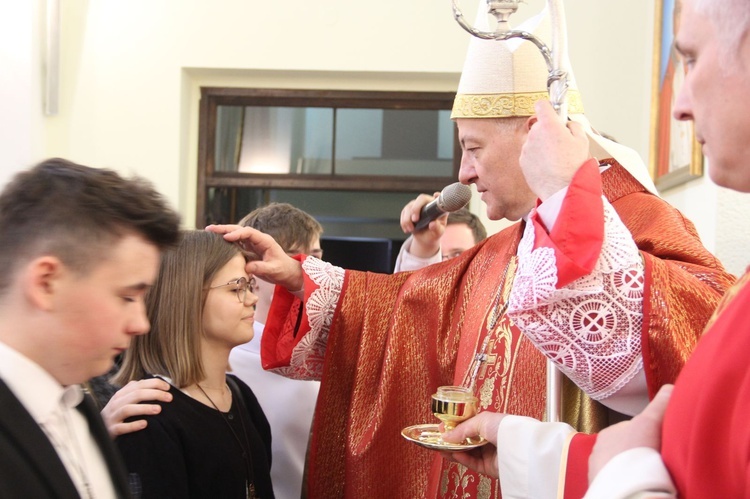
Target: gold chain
[[497, 310]]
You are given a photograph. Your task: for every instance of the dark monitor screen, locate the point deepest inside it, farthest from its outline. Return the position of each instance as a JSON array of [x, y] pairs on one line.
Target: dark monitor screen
[[358, 253]]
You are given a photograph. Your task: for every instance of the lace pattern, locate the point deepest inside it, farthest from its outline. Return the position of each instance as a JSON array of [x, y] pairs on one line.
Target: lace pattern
[[308, 355], [590, 328]]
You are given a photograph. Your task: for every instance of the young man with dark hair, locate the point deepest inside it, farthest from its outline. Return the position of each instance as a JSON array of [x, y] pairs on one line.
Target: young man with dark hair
[[295, 230], [79, 247]]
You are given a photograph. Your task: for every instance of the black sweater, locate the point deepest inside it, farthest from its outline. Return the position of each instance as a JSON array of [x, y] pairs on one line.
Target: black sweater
[[188, 451]]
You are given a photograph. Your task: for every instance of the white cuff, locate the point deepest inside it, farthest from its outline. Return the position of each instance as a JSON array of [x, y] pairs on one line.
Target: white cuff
[[550, 209], [632, 398], [528, 456], [630, 474]]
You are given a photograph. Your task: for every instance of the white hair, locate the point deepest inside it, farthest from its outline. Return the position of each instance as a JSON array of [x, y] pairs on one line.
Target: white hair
[[732, 21]]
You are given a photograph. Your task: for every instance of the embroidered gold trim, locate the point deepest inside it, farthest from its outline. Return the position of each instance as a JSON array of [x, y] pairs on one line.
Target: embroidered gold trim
[[494, 314], [507, 105]]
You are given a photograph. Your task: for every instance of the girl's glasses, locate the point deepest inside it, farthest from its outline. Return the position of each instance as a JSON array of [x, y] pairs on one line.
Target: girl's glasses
[[242, 284]]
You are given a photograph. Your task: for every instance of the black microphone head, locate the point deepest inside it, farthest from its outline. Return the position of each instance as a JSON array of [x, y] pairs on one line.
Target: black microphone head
[[454, 197]]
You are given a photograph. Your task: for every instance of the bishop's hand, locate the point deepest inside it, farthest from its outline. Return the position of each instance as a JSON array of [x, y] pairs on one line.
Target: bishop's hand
[[553, 151], [484, 458], [266, 259]]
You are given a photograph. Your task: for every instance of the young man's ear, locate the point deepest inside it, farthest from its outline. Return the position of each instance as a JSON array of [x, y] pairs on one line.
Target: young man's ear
[[41, 280]]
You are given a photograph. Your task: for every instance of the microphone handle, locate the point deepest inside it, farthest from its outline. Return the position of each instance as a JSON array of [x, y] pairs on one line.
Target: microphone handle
[[430, 212]]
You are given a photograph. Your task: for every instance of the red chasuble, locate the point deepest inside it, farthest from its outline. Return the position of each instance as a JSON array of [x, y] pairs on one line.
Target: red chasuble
[[395, 338]]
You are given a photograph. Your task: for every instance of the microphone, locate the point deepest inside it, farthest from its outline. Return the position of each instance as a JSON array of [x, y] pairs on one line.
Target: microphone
[[451, 198]]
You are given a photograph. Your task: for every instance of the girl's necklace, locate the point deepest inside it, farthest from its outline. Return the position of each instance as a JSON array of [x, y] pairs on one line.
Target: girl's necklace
[[249, 485]]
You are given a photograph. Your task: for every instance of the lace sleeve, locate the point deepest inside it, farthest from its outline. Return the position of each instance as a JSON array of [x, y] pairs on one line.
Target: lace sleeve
[[591, 328], [326, 282]]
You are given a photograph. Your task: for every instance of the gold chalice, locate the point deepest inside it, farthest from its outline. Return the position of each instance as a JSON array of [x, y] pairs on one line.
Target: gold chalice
[[453, 404]]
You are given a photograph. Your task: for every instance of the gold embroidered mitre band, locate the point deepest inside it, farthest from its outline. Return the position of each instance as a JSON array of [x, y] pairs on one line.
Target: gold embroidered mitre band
[[507, 105]]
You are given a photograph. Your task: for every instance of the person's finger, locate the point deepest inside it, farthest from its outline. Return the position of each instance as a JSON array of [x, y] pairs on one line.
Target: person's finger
[[253, 243], [406, 222], [146, 395], [133, 410], [419, 203], [544, 111], [485, 425], [439, 222], [468, 429], [576, 129], [124, 428], [222, 228], [262, 269], [249, 239], [239, 233], [656, 408], [153, 383], [143, 390]]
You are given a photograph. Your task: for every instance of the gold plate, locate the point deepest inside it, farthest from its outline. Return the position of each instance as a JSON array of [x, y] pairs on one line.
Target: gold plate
[[428, 435]]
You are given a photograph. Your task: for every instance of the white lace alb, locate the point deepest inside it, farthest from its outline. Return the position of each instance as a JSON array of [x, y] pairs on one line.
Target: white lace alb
[[590, 328]]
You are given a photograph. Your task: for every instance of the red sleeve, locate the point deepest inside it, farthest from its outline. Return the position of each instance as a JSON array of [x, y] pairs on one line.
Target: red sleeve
[[576, 479], [578, 234], [286, 325]]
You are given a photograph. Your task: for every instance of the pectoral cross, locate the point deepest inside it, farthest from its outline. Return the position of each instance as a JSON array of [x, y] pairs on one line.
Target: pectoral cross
[[481, 361], [486, 360]]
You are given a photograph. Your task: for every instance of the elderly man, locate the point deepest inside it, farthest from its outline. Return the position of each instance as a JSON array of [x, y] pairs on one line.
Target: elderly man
[[704, 436], [691, 441], [382, 344]]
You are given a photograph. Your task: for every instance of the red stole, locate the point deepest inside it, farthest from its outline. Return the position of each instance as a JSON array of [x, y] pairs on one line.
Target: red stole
[[510, 379]]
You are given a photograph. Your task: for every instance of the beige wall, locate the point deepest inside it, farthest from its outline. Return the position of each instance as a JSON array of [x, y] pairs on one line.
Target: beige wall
[[132, 69], [131, 73], [21, 121]]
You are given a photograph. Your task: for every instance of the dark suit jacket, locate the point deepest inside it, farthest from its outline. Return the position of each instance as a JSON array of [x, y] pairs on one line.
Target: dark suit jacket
[[29, 465]]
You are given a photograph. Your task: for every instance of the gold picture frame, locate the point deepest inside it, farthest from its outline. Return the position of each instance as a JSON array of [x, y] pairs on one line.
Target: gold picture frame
[[675, 155]]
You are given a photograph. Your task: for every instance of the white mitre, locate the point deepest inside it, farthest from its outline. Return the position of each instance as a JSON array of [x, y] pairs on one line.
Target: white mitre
[[503, 79]]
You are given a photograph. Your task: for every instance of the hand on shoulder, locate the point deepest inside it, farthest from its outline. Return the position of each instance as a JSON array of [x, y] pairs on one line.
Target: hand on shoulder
[[130, 401]]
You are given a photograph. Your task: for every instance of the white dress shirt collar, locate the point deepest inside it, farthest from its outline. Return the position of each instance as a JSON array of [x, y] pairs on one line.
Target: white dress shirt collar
[[34, 387]]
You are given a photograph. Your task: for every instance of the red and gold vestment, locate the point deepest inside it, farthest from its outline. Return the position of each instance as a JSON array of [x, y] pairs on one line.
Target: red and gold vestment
[[389, 341]]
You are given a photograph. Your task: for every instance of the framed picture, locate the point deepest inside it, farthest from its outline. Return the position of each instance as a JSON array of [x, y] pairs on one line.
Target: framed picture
[[675, 155]]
